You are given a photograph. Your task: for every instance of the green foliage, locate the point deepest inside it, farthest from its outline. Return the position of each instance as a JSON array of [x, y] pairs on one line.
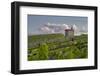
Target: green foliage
[[84, 53], [43, 51], [33, 55], [55, 46], [69, 53]]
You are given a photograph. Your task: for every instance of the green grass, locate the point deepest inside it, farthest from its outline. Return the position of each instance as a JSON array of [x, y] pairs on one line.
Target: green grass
[[55, 46]]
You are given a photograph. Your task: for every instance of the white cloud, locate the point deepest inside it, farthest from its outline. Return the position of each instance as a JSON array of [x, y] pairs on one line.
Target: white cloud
[[79, 31], [76, 30], [54, 28], [44, 29], [60, 28]]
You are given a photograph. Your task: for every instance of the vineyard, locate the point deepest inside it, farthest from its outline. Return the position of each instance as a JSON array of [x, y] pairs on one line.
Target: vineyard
[[56, 46]]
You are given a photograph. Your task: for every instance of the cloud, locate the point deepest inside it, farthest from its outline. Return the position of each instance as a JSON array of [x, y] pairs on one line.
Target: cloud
[[46, 30], [84, 29], [60, 28], [76, 30], [54, 28], [79, 30]]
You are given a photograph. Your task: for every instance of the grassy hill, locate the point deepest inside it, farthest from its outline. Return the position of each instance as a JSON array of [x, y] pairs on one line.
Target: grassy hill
[[38, 39], [55, 46]]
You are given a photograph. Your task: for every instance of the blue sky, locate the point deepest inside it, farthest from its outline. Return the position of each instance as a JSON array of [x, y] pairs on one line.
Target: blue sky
[[35, 22]]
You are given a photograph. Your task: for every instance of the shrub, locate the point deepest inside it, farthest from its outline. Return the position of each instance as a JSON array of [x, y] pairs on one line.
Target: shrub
[[43, 51]]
